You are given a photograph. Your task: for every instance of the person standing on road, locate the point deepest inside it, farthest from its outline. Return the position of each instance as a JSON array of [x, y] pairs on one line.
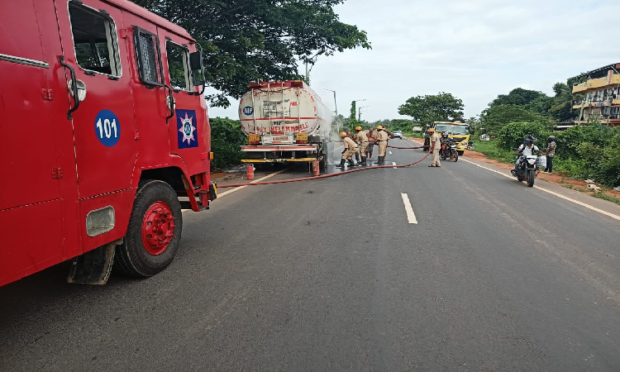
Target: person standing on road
[[550, 152], [435, 147], [382, 140], [372, 139], [427, 140], [350, 148], [362, 138]]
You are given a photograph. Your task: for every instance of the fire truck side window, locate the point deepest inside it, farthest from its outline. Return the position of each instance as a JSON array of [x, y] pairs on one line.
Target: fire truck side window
[[94, 38], [149, 57], [178, 66]]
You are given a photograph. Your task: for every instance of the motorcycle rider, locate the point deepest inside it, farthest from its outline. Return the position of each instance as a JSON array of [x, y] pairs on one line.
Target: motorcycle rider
[[445, 140], [527, 148]]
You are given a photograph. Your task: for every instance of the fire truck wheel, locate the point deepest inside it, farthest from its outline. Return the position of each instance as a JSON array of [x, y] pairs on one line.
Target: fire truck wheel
[[154, 231]]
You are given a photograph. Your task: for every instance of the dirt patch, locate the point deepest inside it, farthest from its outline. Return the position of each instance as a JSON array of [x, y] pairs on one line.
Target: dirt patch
[[557, 178]]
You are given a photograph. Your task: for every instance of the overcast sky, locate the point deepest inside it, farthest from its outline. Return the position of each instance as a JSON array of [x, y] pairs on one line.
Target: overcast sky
[[474, 50]]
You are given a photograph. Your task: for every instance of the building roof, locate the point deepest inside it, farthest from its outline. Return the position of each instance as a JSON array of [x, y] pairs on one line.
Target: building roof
[[151, 17], [599, 72]]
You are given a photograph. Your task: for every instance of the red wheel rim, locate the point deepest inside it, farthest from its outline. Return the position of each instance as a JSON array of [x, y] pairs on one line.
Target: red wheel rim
[[157, 228]]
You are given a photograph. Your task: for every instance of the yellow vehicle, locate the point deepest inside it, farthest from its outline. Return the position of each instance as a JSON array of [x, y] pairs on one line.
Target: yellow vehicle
[[458, 131]]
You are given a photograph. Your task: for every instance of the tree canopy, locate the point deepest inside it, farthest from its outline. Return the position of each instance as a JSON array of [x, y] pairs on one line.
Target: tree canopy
[[519, 97], [250, 40], [430, 108]]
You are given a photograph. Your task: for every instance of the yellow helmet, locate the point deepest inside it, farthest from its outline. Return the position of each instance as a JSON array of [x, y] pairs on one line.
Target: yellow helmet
[[343, 134], [358, 128], [379, 128]]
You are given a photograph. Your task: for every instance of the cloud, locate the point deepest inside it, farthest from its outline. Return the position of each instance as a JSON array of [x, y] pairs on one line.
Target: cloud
[[475, 50]]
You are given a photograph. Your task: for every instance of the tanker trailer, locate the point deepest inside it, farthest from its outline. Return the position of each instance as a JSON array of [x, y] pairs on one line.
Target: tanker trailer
[[286, 122]]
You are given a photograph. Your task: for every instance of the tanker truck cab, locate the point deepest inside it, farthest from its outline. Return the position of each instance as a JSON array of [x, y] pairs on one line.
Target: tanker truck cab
[[286, 122], [457, 131], [103, 128]]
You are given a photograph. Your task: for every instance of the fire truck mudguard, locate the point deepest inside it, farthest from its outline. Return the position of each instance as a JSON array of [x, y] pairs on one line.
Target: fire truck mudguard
[[154, 231], [93, 267]]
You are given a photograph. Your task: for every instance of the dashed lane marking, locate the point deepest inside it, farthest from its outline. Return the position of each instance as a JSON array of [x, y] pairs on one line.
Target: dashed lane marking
[[410, 215]]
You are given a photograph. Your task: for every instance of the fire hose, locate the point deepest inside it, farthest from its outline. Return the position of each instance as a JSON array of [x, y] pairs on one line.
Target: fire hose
[[333, 174]]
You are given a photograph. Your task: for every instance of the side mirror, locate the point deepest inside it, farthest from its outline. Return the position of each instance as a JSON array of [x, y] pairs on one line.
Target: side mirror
[[198, 69], [195, 64]]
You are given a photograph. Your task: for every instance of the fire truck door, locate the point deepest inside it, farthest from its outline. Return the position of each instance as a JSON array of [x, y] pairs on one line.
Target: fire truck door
[[97, 63], [187, 127], [30, 203]]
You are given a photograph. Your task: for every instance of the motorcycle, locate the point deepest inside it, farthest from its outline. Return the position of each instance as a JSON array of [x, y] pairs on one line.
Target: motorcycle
[[448, 150], [527, 169], [470, 146]]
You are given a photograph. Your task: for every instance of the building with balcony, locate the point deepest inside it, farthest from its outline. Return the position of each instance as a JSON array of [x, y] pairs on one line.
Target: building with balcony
[[599, 96]]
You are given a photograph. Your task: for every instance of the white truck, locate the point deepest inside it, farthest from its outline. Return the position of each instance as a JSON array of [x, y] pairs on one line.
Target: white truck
[[285, 122]]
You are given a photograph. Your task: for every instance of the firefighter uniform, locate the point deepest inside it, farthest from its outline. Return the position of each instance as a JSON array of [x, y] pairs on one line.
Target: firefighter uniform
[[362, 138], [382, 141], [353, 137], [350, 149], [435, 147]]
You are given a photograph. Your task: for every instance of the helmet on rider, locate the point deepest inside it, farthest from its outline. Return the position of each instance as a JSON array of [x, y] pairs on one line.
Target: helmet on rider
[[444, 135], [528, 140], [343, 134], [358, 128], [550, 139]]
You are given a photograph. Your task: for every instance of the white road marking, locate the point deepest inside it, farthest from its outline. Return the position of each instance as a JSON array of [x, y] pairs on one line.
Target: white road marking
[[585, 205], [410, 215], [394, 163], [255, 181], [390, 152], [243, 187]]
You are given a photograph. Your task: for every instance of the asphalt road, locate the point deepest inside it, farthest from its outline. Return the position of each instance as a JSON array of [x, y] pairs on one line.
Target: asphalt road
[[329, 275]]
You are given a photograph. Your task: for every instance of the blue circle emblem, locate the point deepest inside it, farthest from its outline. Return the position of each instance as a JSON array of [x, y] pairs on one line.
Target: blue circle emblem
[[107, 128], [248, 110]]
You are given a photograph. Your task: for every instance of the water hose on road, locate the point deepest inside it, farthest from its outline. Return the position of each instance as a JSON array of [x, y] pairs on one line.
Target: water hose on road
[[332, 174]]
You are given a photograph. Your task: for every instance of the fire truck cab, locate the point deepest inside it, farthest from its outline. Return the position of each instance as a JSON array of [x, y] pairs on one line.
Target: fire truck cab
[[103, 126]]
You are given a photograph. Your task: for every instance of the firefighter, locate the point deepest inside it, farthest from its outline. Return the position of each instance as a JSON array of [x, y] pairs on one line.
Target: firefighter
[[350, 148], [362, 139], [382, 141], [353, 136], [435, 147]]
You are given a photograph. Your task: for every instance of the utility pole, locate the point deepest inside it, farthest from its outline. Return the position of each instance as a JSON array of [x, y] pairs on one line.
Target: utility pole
[[336, 107], [359, 113], [313, 61]]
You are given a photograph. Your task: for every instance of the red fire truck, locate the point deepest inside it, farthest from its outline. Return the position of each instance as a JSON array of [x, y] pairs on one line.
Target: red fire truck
[[103, 131]]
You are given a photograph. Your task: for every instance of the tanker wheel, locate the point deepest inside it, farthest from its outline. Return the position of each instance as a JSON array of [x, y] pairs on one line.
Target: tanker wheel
[[154, 231]]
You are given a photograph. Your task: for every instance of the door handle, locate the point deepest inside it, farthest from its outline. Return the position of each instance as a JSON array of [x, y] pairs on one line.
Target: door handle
[[73, 87], [170, 103]]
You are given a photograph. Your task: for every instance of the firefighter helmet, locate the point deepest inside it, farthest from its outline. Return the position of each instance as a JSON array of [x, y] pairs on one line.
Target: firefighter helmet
[[343, 134]]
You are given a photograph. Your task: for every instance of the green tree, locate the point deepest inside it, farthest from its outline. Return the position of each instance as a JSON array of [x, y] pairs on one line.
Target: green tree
[[430, 108], [562, 103], [246, 41], [353, 122], [494, 118], [522, 97]]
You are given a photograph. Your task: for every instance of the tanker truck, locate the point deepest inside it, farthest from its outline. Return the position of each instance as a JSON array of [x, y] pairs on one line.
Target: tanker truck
[[285, 122]]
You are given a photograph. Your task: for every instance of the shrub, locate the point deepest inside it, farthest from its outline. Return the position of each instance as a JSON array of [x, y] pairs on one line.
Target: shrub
[[512, 135], [226, 141]]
